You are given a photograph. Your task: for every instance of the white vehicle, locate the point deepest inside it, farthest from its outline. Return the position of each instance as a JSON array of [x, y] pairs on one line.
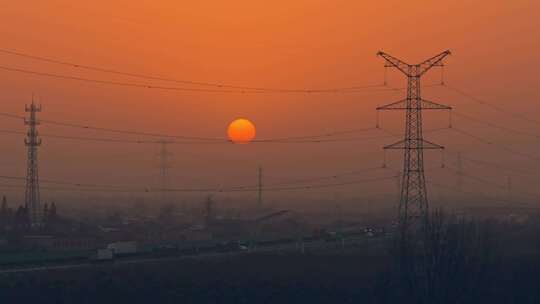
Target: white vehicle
[[121, 248], [104, 255]]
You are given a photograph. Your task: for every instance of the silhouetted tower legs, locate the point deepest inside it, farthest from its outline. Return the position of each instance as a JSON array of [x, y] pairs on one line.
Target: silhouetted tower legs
[[32, 142], [413, 203]]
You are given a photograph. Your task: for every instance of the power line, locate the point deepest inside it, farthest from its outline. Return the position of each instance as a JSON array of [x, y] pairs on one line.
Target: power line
[[13, 116], [292, 182], [378, 88], [471, 193], [491, 143], [80, 137], [476, 178], [457, 189], [110, 140], [350, 139], [497, 126], [190, 82], [110, 130], [305, 138], [58, 182], [489, 183], [498, 166], [120, 83], [335, 176], [223, 141], [493, 106], [230, 189], [328, 185], [329, 134], [72, 189]]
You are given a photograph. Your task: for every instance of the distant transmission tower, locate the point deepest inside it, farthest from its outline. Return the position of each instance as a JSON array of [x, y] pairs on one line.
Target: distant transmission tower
[[164, 166], [509, 194], [460, 172], [413, 201], [32, 142], [260, 187]]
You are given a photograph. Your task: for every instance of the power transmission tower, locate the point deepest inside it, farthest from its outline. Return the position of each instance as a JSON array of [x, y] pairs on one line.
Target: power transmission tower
[[339, 210], [509, 190], [413, 200], [164, 166], [259, 187], [32, 142], [209, 210], [459, 175]]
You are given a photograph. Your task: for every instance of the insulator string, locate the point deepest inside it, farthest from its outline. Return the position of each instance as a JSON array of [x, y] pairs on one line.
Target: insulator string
[[443, 159], [442, 75]]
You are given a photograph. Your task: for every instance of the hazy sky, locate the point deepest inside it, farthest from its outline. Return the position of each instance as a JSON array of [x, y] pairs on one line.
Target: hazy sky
[[285, 44]]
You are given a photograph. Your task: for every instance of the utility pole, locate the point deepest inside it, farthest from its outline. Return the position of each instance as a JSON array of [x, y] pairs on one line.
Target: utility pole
[[209, 211], [164, 166], [32, 142], [460, 171], [509, 189], [259, 188], [413, 199]]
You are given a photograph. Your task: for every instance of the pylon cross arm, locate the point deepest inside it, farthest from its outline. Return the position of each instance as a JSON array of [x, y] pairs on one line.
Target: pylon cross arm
[[430, 105], [424, 105], [392, 61], [398, 105], [431, 62], [414, 144]]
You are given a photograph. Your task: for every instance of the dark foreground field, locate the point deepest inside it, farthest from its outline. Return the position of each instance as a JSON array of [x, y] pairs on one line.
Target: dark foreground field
[[256, 278], [238, 279], [452, 261]]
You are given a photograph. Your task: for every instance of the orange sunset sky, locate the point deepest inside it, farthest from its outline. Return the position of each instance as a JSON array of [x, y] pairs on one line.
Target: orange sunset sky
[[295, 44]]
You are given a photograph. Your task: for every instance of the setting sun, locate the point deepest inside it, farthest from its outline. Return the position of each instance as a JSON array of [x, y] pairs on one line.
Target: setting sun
[[241, 131]]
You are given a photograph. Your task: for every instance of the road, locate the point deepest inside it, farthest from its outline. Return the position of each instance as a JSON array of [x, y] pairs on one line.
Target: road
[[282, 247]]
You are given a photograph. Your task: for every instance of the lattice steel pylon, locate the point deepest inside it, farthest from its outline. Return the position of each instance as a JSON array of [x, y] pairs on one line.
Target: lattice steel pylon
[[413, 200], [32, 141], [164, 166]]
